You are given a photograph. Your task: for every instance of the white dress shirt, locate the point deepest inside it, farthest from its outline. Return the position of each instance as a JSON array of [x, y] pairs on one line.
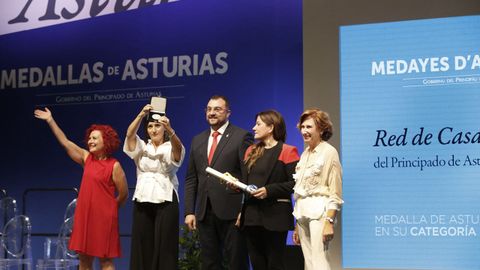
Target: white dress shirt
[[221, 130]]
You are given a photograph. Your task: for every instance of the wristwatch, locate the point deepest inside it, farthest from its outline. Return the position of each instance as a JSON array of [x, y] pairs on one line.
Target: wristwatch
[[329, 219]]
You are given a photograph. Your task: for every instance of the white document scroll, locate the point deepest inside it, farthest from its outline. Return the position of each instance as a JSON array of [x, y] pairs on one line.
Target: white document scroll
[[232, 180]]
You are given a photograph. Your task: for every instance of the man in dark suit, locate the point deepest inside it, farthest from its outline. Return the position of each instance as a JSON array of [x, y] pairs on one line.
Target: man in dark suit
[[209, 205]]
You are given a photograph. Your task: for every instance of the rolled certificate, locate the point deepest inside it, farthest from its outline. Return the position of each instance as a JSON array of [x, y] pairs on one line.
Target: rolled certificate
[[232, 180]]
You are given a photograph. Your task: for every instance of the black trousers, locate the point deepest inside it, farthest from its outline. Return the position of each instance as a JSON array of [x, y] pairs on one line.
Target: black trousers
[[155, 230], [266, 248], [220, 239]]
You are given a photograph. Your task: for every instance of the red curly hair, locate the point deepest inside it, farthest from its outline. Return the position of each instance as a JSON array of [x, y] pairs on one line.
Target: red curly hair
[[110, 137]]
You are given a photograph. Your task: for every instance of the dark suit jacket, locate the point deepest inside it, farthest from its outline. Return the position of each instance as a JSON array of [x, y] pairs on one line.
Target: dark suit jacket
[[276, 210], [199, 185]]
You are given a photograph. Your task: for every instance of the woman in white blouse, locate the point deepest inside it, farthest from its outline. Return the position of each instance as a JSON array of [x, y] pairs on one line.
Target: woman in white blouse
[[317, 191], [154, 243]]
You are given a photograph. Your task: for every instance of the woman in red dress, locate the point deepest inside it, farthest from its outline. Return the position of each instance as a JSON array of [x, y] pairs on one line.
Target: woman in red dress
[[95, 229]]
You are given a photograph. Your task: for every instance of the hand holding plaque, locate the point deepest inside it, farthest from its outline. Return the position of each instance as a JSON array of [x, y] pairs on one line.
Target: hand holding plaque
[[159, 104], [227, 178]]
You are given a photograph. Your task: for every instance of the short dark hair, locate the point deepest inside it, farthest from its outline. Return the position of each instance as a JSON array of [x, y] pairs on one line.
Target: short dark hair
[[146, 137], [227, 104]]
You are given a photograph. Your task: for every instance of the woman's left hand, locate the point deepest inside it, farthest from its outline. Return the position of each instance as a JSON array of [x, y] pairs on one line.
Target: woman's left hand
[[165, 122], [327, 232], [295, 236], [260, 193]]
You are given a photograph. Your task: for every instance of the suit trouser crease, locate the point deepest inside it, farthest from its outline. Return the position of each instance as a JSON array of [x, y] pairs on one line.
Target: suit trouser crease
[[217, 237]]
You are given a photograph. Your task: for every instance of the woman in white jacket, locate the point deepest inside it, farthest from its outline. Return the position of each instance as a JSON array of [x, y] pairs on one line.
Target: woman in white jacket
[[317, 191]]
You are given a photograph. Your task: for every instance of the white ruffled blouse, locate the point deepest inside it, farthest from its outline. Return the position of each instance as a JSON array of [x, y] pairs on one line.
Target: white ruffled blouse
[[318, 182], [156, 171]]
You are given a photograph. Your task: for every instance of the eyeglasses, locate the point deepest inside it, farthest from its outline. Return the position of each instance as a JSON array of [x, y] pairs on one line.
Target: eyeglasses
[[215, 109]]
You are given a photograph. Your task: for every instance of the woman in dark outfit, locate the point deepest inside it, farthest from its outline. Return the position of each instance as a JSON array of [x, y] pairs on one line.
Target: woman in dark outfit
[[267, 214]]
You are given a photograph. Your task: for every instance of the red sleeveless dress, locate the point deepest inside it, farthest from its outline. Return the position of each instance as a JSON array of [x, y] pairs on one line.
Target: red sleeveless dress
[[95, 226]]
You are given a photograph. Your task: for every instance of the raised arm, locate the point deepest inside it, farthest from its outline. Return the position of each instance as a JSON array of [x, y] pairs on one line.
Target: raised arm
[[174, 139], [133, 127], [120, 181], [75, 152]]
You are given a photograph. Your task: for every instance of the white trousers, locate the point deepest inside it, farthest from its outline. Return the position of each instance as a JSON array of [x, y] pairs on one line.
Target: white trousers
[[311, 240]]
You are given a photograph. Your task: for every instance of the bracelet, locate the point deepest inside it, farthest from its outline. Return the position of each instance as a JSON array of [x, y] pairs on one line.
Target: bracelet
[[173, 134], [329, 219]]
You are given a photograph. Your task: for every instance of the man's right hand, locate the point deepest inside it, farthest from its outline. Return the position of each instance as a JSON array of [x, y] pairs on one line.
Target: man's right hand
[[191, 222]]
